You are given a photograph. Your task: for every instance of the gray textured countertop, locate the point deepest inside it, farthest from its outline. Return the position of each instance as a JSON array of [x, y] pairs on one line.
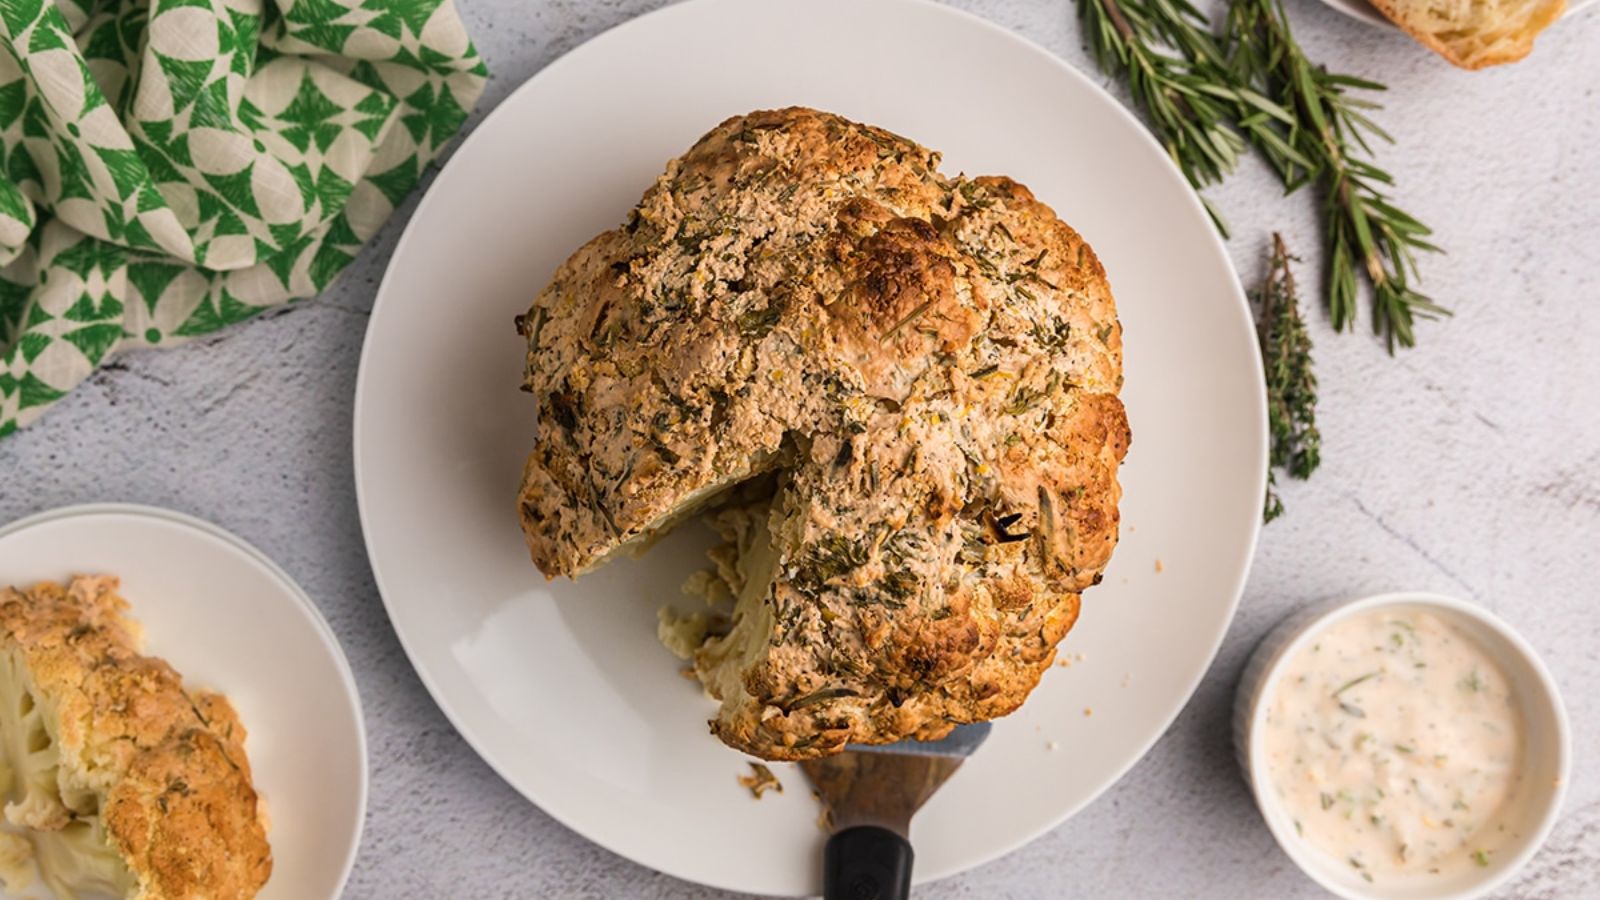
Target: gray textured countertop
[[1470, 466]]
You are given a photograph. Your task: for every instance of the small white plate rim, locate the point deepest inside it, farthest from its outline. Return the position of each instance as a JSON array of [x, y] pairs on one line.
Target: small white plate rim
[[471, 730], [308, 609]]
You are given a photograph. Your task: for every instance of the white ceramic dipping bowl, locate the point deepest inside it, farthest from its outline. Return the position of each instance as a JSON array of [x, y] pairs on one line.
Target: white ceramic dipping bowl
[[1546, 758]]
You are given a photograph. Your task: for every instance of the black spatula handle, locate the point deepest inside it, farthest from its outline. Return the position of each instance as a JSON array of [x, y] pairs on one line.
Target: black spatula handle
[[866, 863]]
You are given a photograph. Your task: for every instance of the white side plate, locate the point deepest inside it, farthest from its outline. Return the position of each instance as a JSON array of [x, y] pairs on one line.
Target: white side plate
[[228, 619], [561, 685]]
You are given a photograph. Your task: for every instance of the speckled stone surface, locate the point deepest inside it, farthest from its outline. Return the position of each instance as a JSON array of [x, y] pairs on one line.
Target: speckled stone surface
[[1470, 465]]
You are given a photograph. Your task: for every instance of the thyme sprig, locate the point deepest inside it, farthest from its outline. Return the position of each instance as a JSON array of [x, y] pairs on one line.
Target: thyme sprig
[[1207, 96], [1291, 385]]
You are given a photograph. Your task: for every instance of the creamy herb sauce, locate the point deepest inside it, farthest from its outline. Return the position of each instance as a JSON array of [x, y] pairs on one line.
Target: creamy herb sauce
[[1394, 742]]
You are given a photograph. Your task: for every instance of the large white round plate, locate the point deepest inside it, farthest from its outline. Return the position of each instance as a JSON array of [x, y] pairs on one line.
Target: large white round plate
[[230, 620], [1366, 12], [561, 685]]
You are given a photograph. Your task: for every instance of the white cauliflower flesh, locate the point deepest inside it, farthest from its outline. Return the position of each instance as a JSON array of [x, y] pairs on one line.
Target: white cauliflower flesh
[[61, 822]]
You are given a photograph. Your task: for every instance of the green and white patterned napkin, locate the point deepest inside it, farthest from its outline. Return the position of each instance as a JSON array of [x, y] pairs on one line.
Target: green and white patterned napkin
[[170, 167]]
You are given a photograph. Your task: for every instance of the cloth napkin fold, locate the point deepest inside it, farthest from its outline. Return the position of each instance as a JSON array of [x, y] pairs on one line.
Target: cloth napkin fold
[[171, 167]]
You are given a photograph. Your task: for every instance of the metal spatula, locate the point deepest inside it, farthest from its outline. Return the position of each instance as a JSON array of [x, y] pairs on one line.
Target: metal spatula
[[871, 793]]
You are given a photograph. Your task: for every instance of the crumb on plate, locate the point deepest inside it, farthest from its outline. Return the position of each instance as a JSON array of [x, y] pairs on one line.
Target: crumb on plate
[[760, 780]]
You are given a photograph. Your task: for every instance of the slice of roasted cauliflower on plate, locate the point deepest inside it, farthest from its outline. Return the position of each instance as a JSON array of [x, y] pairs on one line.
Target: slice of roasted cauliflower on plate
[[124, 783], [924, 371]]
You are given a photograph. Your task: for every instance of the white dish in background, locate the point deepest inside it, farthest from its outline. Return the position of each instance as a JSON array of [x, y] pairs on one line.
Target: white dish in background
[[1366, 12], [561, 686], [1547, 742], [228, 619]]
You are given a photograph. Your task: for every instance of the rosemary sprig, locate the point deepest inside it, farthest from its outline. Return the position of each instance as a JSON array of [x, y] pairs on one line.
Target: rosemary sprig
[[1205, 95], [1366, 233], [1291, 386], [1186, 107]]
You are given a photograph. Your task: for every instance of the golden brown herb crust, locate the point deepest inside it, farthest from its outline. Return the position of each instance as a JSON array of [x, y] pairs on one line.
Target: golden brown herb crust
[[933, 362], [1473, 34], [169, 764]]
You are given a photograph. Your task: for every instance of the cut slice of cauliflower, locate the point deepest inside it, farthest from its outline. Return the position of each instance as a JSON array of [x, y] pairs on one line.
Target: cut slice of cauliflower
[[119, 780]]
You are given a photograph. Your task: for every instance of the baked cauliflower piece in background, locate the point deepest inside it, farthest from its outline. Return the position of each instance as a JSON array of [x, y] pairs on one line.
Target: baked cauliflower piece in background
[[916, 374], [124, 783]]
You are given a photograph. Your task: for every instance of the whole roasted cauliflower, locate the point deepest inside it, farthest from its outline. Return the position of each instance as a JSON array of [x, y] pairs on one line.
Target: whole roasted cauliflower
[[915, 374]]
